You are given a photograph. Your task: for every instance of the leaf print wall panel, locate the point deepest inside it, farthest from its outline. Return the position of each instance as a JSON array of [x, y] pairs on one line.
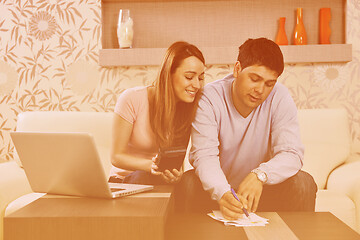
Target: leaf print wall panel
[[49, 62]]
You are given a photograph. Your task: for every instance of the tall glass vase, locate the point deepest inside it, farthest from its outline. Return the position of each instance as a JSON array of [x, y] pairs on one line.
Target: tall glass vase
[[324, 25], [281, 38], [300, 37], [125, 30]]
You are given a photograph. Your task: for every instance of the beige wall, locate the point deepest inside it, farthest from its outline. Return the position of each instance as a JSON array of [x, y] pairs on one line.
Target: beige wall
[[48, 61]]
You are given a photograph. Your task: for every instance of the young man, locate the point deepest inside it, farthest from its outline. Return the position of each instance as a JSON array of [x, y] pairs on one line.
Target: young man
[[246, 136]]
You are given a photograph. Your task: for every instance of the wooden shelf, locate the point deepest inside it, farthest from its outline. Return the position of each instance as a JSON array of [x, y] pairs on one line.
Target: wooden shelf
[[227, 55], [317, 53], [218, 27]]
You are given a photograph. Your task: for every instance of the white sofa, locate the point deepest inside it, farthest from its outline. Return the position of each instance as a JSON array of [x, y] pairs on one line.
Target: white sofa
[[325, 134]]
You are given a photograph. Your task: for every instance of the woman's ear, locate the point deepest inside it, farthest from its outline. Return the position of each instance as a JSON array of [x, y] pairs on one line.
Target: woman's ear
[[237, 69]]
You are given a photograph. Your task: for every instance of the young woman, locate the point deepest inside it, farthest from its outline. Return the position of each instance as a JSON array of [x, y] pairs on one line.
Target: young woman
[[157, 116]]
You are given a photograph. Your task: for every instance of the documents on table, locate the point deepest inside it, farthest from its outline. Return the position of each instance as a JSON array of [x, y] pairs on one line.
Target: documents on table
[[243, 221]]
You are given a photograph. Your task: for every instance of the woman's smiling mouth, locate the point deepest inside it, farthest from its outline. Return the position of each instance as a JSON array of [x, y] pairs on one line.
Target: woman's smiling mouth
[[191, 93]]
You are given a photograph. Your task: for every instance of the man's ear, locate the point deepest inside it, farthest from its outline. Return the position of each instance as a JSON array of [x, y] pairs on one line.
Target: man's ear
[[237, 69]]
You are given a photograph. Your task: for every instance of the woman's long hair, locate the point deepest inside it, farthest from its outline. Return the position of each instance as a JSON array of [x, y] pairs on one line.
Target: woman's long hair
[[171, 121]]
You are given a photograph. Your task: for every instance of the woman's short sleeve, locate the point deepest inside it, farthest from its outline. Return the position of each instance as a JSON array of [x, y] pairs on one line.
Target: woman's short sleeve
[[126, 104]]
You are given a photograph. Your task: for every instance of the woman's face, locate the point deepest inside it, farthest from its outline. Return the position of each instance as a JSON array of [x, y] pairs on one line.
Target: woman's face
[[188, 79]]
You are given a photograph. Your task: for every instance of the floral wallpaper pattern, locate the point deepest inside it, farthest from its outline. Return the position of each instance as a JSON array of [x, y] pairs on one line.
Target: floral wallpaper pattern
[[49, 61]]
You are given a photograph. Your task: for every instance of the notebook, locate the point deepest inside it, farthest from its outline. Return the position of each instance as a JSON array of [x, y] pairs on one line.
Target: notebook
[[67, 164]]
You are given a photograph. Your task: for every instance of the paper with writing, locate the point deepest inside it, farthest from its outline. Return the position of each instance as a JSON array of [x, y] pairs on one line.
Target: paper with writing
[[242, 221]]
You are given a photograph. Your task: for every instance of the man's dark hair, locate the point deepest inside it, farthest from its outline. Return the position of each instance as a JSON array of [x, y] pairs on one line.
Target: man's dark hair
[[263, 52]]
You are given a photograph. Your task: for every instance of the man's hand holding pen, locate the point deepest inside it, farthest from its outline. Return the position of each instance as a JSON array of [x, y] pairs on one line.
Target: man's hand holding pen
[[230, 207], [232, 204]]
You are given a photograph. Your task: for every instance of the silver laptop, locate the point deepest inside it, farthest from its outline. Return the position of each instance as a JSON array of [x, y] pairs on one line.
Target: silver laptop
[[67, 164]]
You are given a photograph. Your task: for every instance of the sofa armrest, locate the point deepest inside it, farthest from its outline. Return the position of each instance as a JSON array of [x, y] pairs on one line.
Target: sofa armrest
[[343, 178], [356, 198], [13, 184], [346, 179], [354, 157]]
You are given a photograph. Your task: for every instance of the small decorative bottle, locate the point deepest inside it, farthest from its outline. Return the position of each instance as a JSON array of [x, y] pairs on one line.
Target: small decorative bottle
[[125, 31], [324, 26], [300, 37], [281, 38]]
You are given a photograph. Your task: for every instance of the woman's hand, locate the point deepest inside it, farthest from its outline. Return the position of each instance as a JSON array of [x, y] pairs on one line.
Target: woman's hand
[[172, 177], [154, 166]]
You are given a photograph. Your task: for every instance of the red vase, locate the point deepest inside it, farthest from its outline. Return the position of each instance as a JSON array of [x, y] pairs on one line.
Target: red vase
[[324, 26], [281, 38], [300, 37]]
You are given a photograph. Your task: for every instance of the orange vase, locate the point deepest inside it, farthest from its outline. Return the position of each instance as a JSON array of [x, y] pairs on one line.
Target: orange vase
[[300, 37], [281, 38], [324, 26]]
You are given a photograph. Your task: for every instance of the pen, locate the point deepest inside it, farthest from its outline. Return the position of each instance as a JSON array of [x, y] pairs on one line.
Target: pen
[[243, 209]]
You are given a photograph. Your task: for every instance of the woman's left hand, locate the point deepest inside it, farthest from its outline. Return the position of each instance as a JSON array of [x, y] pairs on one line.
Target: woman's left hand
[[154, 166], [173, 176]]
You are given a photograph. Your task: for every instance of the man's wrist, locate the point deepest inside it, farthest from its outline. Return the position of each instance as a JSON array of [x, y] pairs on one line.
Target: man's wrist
[[260, 174]]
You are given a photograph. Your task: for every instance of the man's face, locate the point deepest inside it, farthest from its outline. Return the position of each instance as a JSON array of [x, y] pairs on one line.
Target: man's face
[[251, 87]]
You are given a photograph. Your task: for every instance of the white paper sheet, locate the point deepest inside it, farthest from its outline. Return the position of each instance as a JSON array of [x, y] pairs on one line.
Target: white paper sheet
[[242, 221]]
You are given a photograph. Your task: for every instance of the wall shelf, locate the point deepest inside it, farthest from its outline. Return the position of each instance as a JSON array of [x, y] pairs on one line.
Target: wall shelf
[[227, 55], [218, 27]]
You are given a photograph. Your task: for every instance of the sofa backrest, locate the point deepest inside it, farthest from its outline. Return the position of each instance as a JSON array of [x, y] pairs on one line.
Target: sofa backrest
[[99, 124], [326, 136], [324, 132]]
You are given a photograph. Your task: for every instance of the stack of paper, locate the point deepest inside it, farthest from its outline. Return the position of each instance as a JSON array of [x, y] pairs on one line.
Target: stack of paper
[[243, 221]]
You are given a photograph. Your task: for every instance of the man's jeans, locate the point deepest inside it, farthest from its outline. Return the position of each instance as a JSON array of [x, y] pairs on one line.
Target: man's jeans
[[297, 193]]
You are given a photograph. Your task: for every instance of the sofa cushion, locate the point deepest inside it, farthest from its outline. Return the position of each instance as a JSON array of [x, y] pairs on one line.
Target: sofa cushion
[[13, 184], [22, 202], [326, 136], [321, 159]]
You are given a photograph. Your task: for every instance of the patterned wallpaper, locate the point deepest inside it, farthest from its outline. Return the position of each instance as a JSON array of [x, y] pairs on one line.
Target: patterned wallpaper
[[49, 53]]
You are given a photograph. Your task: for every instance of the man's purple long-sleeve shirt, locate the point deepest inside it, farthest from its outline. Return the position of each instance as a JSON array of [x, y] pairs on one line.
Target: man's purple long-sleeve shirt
[[227, 146]]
